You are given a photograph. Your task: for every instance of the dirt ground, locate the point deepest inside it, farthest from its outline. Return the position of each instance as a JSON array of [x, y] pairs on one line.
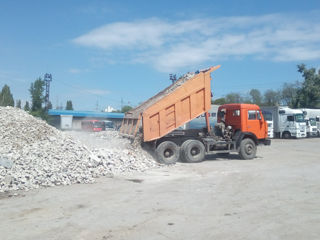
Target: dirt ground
[[274, 196]]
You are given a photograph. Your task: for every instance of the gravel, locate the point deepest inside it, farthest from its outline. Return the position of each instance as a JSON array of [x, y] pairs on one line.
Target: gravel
[[34, 154]]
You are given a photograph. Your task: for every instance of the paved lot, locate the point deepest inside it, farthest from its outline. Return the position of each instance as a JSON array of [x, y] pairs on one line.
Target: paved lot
[[275, 196]]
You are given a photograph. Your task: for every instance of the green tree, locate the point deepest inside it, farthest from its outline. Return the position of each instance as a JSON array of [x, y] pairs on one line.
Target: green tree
[[271, 97], [233, 98], [37, 98], [18, 104], [255, 96], [49, 105], [126, 108], [69, 105], [6, 98], [26, 107], [289, 94], [219, 101], [37, 95], [309, 94]]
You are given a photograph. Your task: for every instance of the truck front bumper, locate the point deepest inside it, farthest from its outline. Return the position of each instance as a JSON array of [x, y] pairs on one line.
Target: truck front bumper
[[265, 141]]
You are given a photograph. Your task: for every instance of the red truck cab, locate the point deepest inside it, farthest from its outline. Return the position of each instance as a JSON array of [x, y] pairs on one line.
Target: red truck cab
[[246, 118]]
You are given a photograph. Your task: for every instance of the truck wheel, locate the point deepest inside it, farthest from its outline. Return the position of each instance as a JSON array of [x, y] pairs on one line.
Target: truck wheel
[[248, 149], [286, 135], [193, 151], [182, 148], [168, 152]]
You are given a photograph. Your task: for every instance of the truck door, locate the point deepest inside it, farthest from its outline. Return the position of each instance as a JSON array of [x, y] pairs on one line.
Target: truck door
[[290, 126], [255, 124]]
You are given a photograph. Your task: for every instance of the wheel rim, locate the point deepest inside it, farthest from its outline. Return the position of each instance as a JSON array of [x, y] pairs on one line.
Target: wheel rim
[[286, 135], [168, 153], [194, 151], [249, 149]]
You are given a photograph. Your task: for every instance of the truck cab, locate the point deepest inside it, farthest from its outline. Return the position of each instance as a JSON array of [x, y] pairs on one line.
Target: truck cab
[[314, 116], [311, 126], [244, 118], [292, 123], [269, 119], [318, 125]]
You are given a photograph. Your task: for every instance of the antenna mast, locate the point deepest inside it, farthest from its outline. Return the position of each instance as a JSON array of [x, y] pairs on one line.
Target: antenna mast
[[47, 80]]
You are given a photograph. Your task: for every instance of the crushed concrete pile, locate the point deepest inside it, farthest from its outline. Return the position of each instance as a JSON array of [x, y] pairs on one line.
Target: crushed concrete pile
[[34, 154], [116, 152]]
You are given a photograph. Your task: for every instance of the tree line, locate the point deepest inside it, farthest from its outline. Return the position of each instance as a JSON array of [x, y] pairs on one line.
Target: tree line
[[305, 94], [37, 94]]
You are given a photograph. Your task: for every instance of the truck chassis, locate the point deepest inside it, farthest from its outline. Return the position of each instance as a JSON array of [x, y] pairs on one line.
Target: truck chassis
[[192, 145]]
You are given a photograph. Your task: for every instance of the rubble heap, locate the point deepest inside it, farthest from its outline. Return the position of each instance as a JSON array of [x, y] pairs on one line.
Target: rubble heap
[[34, 154]]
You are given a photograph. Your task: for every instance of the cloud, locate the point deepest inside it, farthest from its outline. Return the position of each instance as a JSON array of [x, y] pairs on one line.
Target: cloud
[[171, 45], [74, 70], [77, 70]]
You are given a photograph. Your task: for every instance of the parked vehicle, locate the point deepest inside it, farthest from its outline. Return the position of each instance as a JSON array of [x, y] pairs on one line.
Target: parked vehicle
[[287, 122], [269, 119], [313, 114], [92, 125], [311, 126], [240, 127], [66, 122], [108, 124]]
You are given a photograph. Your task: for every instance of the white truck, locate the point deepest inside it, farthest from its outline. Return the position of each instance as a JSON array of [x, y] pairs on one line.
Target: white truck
[[267, 115], [66, 122], [313, 120], [287, 122]]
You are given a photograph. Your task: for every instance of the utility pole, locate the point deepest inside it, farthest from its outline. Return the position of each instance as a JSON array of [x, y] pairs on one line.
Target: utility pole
[[47, 80]]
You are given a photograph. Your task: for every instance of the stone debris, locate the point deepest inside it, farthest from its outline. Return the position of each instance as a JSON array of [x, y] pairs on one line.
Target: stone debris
[[4, 162], [179, 82], [34, 154]]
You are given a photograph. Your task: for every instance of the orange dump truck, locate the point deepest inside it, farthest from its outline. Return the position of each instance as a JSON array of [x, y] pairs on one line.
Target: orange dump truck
[[240, 127]]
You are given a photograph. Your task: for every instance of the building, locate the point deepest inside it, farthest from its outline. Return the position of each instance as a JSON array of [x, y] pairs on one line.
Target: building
[[67, 119]]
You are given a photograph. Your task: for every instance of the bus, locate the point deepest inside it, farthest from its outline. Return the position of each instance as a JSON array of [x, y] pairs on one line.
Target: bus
[[92, 125]]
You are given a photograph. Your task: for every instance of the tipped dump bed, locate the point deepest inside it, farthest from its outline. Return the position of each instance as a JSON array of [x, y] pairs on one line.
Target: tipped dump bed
[[184, 100]]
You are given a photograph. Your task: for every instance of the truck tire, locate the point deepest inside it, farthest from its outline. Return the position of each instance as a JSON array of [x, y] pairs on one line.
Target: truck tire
[[168, 152], [248, 149], [182, 148], [286, 135], [193, 151]]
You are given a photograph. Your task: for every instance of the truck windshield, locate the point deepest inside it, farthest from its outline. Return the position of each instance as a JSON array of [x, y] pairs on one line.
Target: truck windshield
[[98, 124], [299, 117], [267, 115], [312, 122]]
